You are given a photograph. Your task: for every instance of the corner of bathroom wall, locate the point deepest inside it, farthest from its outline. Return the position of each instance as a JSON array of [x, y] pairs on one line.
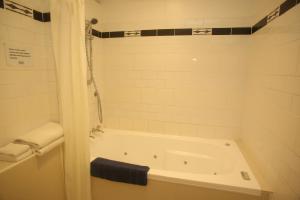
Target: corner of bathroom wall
[[271, 123]]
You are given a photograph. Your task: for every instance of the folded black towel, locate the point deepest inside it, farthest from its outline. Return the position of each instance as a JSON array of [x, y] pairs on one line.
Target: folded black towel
[[119, 171]]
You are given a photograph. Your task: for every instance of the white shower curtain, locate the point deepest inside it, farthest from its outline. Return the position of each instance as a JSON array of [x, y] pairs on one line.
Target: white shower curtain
[[68, 35]]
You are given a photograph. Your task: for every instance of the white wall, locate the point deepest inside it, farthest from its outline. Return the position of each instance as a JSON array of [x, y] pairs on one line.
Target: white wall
[[191, 85], [271, 127], [27, 94], [175, 85], [145, 14]]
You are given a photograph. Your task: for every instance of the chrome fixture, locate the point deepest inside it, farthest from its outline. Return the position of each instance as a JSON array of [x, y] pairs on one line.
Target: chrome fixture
[[91, 80]]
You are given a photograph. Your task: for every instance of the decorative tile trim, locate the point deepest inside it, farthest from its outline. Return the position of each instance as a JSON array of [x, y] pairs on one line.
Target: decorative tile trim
[[263, 22], [147, 33], [283, 8], [96, 33], [45, 17], [132, 33], [287, 5], [18, 8], [165, 32], [105, 34], [24, 10], [178, 32], [37, 15], [273, 15], [184, 31], [241, 31], [202, 31], [1, 4], [116, 34], [42, 17], [221, 31]]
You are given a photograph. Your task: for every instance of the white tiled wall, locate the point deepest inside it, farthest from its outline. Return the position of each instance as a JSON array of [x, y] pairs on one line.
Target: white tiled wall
[[188, 85], [271, 128], [145, 14], [27, 93]]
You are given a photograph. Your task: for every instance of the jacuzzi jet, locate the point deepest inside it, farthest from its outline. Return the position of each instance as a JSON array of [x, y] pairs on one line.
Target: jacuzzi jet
[[245, 176]]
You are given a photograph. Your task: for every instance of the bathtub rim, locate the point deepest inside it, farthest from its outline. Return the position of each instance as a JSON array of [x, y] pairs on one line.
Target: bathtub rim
[[175, 177]]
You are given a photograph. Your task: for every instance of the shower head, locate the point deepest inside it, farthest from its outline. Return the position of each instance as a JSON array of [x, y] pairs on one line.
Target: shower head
[[94, 21], [89, 28]]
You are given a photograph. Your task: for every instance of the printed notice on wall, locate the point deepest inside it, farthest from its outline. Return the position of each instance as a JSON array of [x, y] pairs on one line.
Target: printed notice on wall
[[18, 55]]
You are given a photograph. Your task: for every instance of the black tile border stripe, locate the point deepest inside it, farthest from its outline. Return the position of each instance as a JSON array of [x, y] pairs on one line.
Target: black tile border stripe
[[283, 8], [45, 17], [105, 34], [263, 22], [9, 1], [37, 15], [287, 5], [165, 32], [148, 33], [116, 34], [241, 31], [24, 10], [1, 4], [96, 33], [17, 8], [184, 31], [221, 31], [17, 12], [42, 17]]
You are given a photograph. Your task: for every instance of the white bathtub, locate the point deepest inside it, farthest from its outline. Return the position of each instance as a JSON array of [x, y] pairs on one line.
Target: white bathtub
[[209, 163]]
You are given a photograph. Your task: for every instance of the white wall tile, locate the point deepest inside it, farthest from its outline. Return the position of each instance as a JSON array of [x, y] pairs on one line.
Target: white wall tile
[[271, 124], [207, 91], [156, 126], [27, 101]]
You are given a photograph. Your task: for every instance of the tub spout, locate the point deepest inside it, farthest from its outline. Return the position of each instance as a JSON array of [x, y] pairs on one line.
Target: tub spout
[[95, 131]]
